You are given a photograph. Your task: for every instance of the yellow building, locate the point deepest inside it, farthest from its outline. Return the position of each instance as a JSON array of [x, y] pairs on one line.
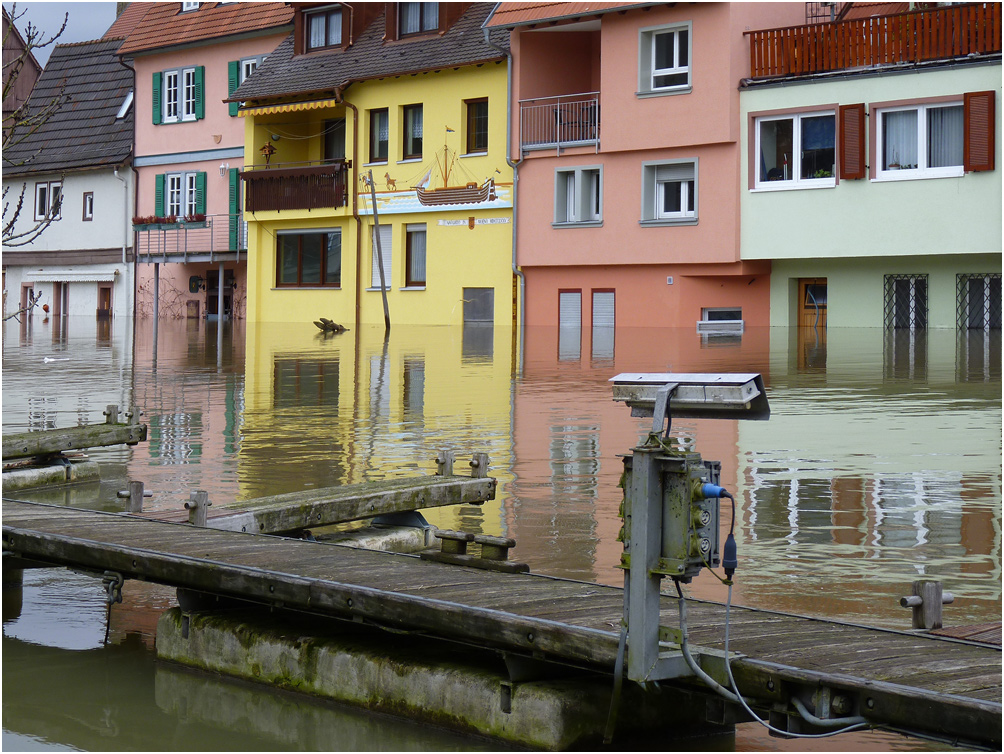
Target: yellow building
[[404, 102]]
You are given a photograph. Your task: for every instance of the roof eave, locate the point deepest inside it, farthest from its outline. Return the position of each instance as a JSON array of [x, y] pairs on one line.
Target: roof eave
[[568, 17]]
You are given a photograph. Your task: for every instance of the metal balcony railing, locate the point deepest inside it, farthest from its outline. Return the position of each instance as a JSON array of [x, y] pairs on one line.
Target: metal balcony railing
[[941, 33], [563, 121], [300, 185], [217, 236]]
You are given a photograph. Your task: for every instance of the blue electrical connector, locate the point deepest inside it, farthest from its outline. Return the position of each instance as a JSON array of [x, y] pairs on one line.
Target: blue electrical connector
[[713, 490]]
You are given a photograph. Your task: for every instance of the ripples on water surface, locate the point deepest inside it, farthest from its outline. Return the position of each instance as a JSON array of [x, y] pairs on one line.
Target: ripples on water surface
[[881, 463]]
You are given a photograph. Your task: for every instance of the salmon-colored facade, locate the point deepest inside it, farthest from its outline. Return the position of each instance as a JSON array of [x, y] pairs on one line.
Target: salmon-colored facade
[[628, 117]]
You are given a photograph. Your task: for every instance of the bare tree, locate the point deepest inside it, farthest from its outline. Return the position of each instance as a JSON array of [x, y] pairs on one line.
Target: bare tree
[[21, 124]]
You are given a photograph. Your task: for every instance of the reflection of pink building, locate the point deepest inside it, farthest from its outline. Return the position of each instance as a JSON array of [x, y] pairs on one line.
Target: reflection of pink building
[[189, 225], [627, 115]]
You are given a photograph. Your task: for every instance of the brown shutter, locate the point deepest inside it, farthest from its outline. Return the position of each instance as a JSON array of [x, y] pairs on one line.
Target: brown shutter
[[978, 117], [852, 141]]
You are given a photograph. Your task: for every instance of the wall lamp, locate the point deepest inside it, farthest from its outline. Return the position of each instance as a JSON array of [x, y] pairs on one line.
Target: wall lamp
[[224, 169]]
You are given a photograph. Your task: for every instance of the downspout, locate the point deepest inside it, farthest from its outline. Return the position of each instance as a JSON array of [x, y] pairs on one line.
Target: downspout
[[355, 202], [515, 182], [125, 207]]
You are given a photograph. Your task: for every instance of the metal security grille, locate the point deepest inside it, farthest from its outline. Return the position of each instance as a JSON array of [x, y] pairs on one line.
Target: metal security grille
[[906, 302], [978, 299]]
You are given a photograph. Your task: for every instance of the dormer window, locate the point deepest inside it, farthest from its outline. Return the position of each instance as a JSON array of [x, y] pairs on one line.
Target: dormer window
[[323, 28], [417, 18], [187, 6]]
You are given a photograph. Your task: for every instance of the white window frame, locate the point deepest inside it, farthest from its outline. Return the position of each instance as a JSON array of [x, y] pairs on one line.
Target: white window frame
[[87, 213], [921, 170], [647, 71], [46, 190], [189, 5], [578, 196], [180, 194], [179, 95], [654, 186], [795, 164]]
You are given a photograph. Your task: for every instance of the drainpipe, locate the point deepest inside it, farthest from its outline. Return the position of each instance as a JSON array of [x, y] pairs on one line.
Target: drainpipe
[[355, 201], [515, 182]]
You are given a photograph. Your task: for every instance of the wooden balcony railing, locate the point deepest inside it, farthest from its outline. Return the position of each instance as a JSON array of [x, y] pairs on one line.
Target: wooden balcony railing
[[295, 186], [916, 36]]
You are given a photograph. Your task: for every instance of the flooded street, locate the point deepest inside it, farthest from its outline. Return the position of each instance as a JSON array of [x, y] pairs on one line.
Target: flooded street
[[881, 463]]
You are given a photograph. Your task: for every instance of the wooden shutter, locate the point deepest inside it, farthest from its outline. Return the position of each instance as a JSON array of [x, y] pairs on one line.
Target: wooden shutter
[[234, 217], [200, 193], [200, 92], [158, 194], [233, 81], [158, 106], [852, 141], [978, 126]]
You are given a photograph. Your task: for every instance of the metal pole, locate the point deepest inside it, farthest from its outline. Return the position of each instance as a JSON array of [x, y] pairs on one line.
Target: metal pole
[[379, 248]]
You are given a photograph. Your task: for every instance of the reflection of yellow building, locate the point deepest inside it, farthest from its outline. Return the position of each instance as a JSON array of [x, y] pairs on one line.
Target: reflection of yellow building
[[418, 105], [376, 409]]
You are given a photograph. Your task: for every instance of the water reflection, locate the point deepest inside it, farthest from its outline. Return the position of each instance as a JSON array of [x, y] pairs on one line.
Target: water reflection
[[881, 461]]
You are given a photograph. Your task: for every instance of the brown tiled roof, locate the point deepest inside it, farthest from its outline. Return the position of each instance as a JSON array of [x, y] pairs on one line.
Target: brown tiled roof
[[165, 25], [867, 10], [124, 25], [509, 15], [84, 132], [284, 75]]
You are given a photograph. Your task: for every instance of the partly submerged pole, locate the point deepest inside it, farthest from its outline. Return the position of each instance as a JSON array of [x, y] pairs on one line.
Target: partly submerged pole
[[379, 250]]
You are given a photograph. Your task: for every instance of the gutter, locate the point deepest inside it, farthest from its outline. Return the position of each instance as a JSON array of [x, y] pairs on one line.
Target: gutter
[[515, 183]]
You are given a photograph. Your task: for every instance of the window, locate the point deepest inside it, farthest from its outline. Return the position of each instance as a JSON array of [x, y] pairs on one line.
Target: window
[[906, 302], [88, 213], [178, 95], [334, 139], [48, 200], [187, 6], [920, 141], [669, 193], [664, 60], [238, 71], [477, 125], [379, 134], [416, 18], [386, 253], [414, 273], [578, 196], [309, 259], [180, 195], [323, 28], [979, 301], [796, 150], [412, 119], [569, 325]]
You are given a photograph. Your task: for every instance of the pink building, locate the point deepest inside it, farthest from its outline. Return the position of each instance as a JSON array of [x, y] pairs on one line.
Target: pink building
[[190, 239], [625, 127]]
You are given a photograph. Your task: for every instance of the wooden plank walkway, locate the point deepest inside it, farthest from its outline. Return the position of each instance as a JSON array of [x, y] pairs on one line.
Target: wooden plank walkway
[[919, 684]]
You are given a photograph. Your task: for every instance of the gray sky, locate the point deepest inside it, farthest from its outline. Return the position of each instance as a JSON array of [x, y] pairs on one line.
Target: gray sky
[[87, 21]]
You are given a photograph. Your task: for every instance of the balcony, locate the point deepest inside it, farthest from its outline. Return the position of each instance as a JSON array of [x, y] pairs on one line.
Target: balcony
[[300, 185], [916, 36], [568, 120], [218, 238]]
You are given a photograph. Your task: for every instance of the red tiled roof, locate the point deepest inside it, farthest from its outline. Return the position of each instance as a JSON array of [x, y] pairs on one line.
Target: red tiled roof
[[867, 10], [165, 25], [518, 14], [127, 20]]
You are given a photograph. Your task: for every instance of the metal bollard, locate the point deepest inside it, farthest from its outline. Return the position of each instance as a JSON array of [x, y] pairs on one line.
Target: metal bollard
[[926, 601]]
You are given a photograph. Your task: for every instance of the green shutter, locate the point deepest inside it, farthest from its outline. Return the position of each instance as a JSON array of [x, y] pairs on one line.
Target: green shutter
[[158, 195], [233, 81], [234, 210], [200, 193], [158, 107], [200, 92]]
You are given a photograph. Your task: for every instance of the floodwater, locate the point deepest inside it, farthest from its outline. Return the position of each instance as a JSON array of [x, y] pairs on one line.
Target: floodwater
[[880, 464]]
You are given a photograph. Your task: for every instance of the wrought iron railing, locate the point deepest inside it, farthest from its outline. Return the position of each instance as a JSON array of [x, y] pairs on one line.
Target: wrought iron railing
[[224, 235], [938, 33], [561, 121], [301, 185]]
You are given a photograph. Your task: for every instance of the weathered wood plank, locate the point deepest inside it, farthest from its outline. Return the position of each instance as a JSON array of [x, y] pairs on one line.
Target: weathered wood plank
[[49, 441]]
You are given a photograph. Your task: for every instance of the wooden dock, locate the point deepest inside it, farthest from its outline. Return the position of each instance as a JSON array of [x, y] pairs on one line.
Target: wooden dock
[[922, 685]]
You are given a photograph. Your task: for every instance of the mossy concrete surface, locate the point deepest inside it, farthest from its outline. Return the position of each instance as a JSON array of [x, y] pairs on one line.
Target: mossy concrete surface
[[424, 680], [49, 476]]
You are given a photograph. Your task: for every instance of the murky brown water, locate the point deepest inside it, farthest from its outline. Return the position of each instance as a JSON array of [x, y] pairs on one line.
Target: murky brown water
[[881, 463]]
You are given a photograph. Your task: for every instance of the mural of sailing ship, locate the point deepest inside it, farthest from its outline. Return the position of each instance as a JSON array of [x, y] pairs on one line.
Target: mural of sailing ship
[[471, 192]]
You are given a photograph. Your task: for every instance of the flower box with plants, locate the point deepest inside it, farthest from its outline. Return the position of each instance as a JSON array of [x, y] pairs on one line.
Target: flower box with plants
[[164, 222]]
